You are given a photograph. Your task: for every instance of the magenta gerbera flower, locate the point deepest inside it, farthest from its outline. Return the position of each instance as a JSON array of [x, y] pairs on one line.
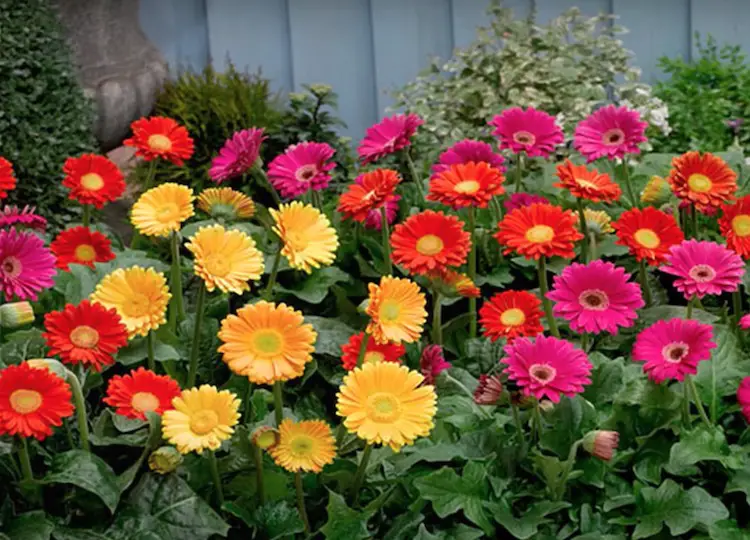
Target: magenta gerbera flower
[[547, 367], [237, 156], [12, 216], [743, 397], [432, 363], [467, 151], [610, 132], [300, 168], [531, 131], [672, 349], [596, 297], [704, 268], [390, 135], [519, 200], [26, 266], [745, 322]]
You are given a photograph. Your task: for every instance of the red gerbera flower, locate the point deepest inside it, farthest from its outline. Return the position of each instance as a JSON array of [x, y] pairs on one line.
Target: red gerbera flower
[[375, 352], [369, 191], [648, 233], [587, 184], [141, 391], [430, 241], [704, 180], [511, 314], [7, 180], [88, 334], [32, 400], [734, 225], [457, 283], [160, 137], [81, 245], [93, 180], [466, 184], [539, 230]]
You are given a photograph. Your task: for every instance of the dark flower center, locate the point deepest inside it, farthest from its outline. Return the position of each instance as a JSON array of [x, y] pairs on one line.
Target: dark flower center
[[675, 352], [524, 137], [702, 273], [306, 172], [613, 136], [11, 267], [594, 299], [542, 373]]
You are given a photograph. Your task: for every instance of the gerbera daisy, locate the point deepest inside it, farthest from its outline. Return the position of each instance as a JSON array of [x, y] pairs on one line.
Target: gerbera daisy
[[704, 268], [743, 397], [226, 203], [547, 367], [16, 314], [648, 233], [511, 314], [539, 230], [237, 156], [734, 225], [430, 240], [390, 135], [87, 334], [704, 180], [159, 137], [489, 390], [601, 444], [375, 352], [610, 132], [587, 184], [139, 295], [519, 200], [467, 151], [397, 311], [656, 192], [32, 401], [81, 245], [468, 184], [532, 131], [432, 363], [596, 297], [745, 322], [225, 260], [304, 446], [300, 168], [369, 192], [456, 283], [161, 210], [597, 221], [26, 266], [93, 180], [141, 391], [12, 216], [308, 240], [7, 180], [672, 349], [267, 342], [386, 403], [374, 219], [201, 418]]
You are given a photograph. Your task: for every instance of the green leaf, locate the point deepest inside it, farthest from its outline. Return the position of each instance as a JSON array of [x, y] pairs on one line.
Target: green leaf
[[701, 444], [344, 523], [276, 519], [128, 258], [403, 526], [29, 526], [500, 277], [22, 345], [607, 379], [332, 334], [721, 375], [727, 530], [105, 432], [662, 313], [87, 471], [137, 351], [739, 481], [64, 533], [528, 523], [459, 532], [568, 421], [315, 287], [77, 284], [651, 458]]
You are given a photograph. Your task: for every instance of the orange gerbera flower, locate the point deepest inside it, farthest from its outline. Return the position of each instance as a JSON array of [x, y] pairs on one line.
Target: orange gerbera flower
[[734, 225], [369, 191], [141, 391], [81, 245], [587, 184], [456, 283], [7, 180], [32, 401], [705, 180], [428, 241], [375, 352], [160, 137], [466, 184], [648, 233], [93, 180], [539, 230], [88, 334], [511, 314]]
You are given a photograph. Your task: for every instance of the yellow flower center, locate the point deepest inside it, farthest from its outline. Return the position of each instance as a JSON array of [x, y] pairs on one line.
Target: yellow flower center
[[384, 407], [467, 186], [136, 305], [296, 240], [585, 183], [513, 317], [741, 225], [390, 310], [217, 265], [168, 212], [699, 183], [540, 234], [647, 238], [373, 357], [92, 181], [84, 337], [268, 342], [302, 445], [25, 401], [203, 422], [159, 142], [429, 244], [144, 402], [85, 253]]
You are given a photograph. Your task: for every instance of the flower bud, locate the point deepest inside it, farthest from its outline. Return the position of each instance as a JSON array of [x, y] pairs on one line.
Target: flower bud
[[656, 192], [546, 405], [16, 314], [51, 364], [601, 444], [164, 460], [488, 390], [265, 437]]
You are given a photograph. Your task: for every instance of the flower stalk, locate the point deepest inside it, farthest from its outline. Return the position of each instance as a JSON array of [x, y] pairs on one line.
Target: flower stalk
[[278, 403], [643, 275], [301, 501], [543, 289], [80, 404], [472, 273], [196, 345], [437, 315], [634, 201], [216, 477], [386, 238], [361, 470], [363, 350], [584, 230], [177, 307], [150, 354], [268, 292], [414, 175]]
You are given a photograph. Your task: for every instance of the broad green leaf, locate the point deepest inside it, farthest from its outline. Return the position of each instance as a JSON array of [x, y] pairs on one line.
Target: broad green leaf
[[63, 533], [29, 526], [651, 458], [87, 471], [500, 277], [128, 258], [527, 524], [607, 379], [77, 284], [484, 351], [332, 334], [22, 345], [568, 421], [721, 375], [137, 351], [739, 481], [727, 530], [459, 532], [105, 432], [650, 315], [403, 526], [433, 452], [344, 523], [275, 519], [315, 287], [702, 444]]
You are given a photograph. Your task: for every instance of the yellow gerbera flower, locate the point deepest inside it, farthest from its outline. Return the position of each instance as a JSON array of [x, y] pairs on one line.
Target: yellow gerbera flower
[[386, 403], [201, 419], [308, 239], [140, 296], [226, 260], [396, 310], [226, 203], [657, 191], [597, 221], [304, 446], [267, 342], [161, 210]]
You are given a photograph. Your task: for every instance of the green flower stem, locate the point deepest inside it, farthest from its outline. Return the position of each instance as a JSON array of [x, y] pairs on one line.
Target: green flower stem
[[537, 422], [80, 404], [519, 426], [196, 345], [414, 175], [567, 468], [584, 231], [278, 403], [363, 350], [584, 341], [437, 324], [260, 173], [176, 308], [301, 501], [23, 457], [694, 220], [643, 276], [258, 455], [472, 273], [636, 202], [86, 218], [592, 246], [542, 271], [690, 305], [519, 173], [217, 479], [693, 390], [268, 292], [685, 405], [150, 358], [737, 307], [316, 199], [361, 470], [384, 229]]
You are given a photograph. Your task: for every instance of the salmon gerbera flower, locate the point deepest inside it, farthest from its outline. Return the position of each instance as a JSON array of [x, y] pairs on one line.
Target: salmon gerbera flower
[[141, 391], [160, 137], [610, 132], [7, 179], [370, 191], [704, 180], [397, 311], [161, 210], [93, 180], [704, 268], [539, 230], [467, 184], [308, 240], [532, 131], [587, 184], [388, 136], [511, 314], [375, 352], [304, 446], [81, 245], [734, 225], [648, 233]]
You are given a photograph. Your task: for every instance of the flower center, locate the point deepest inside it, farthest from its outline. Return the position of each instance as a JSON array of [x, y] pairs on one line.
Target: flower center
[[92, 181], [203, 422], [675, 352], [540, 234], [144, 402], [11, 267], [25, 401], [467, 186], [390, 310], [384, 407], [84, 337], [513, 317], [524, 137], [373, 357], [702, 273], [136, 305], [542, 373], [647, 238], [613, 136], [168, 212], [302, 445], [268, 342], [585, 183], [159, 142], [296, 240], [700, 183], [217, 265], [594, 300], [85, 253], [306, 173], [430, 244], [741, 225]]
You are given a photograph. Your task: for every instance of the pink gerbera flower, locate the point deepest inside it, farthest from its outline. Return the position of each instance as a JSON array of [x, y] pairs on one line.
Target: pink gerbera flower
[[610, 132], [531, 131], [704, 268], [519, 200], [547, 367], [745, 322], [374, 219], [237, 156], [596, 297], [12, 216], [672, 349], [26, 266], [432, 363], [743, 397], [301, 167], [388, 136], [469, 151]]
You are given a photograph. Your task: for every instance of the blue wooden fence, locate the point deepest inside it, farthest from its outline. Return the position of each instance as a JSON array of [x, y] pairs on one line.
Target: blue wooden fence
[[365, 48]]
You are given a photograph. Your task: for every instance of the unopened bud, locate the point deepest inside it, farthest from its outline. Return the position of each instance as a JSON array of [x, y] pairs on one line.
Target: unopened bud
[[16, 314], [164, 460], [489, 390], [51, 364], [265, 437], [601, 444]]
